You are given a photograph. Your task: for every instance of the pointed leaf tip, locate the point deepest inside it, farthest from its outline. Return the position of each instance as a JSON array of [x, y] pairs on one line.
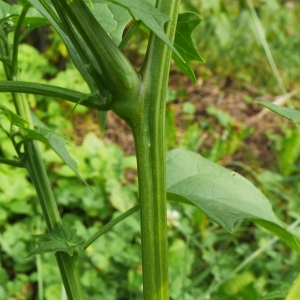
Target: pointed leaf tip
[[288, 113], [186, 24]]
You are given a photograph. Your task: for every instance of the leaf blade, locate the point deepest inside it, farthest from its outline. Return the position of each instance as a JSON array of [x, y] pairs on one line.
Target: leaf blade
[[288, 113], [224, 196]]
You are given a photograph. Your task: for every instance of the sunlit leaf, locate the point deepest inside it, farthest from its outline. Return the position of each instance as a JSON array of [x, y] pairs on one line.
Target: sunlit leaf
[[223, 195], [186, 23]]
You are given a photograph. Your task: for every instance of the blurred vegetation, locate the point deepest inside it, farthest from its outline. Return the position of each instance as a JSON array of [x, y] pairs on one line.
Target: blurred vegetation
[[201, 254], [228, 40]]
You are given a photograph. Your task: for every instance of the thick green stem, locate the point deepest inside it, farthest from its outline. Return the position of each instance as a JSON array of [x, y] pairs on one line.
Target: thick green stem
[[150, 149]]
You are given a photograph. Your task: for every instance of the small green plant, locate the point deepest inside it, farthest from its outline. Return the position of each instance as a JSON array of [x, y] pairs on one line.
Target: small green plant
[[138, 98]]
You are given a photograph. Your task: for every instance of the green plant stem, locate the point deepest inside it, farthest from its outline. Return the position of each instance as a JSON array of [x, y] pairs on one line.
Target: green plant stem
[[33, 162], [11, 162], [151, 160], [89, 100], [109, 226], [129, 33], [39, 267], [36, 169]]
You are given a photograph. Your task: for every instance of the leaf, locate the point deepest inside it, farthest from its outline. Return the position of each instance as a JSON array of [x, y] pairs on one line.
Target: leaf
[[6, 10], [112, 17], [183, 42], [223, 195], [280, 292], [288, 113], [43, 134], [33, 18], [151, 17], [60, 239]]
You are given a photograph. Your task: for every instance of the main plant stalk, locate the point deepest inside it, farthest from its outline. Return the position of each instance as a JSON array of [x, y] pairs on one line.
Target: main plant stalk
[[149, 136]]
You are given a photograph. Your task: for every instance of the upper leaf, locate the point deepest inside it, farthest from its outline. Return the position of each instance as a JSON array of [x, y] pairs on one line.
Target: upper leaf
[[288, 113], [6, 10], [147, 13], [223, 195], [186, 23], [43, 134], [113, 18]]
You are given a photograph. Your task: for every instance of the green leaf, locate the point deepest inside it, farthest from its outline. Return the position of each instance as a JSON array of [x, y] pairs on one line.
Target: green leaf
[[6, 10], [43, 134], [288, 113], [112, 17], [223, 195], [89, 100], [33, 18], [61, 238], [186, 23], [151, 17], [280, 292]]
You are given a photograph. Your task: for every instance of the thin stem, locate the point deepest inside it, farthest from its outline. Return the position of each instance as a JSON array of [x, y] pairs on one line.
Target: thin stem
[[109, 226], [129, 33], [39, 267], [16, 39], [266, 48], [11, 162]]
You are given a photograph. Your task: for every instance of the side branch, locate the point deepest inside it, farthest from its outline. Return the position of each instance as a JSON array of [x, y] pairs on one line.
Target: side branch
[[94, 101]]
